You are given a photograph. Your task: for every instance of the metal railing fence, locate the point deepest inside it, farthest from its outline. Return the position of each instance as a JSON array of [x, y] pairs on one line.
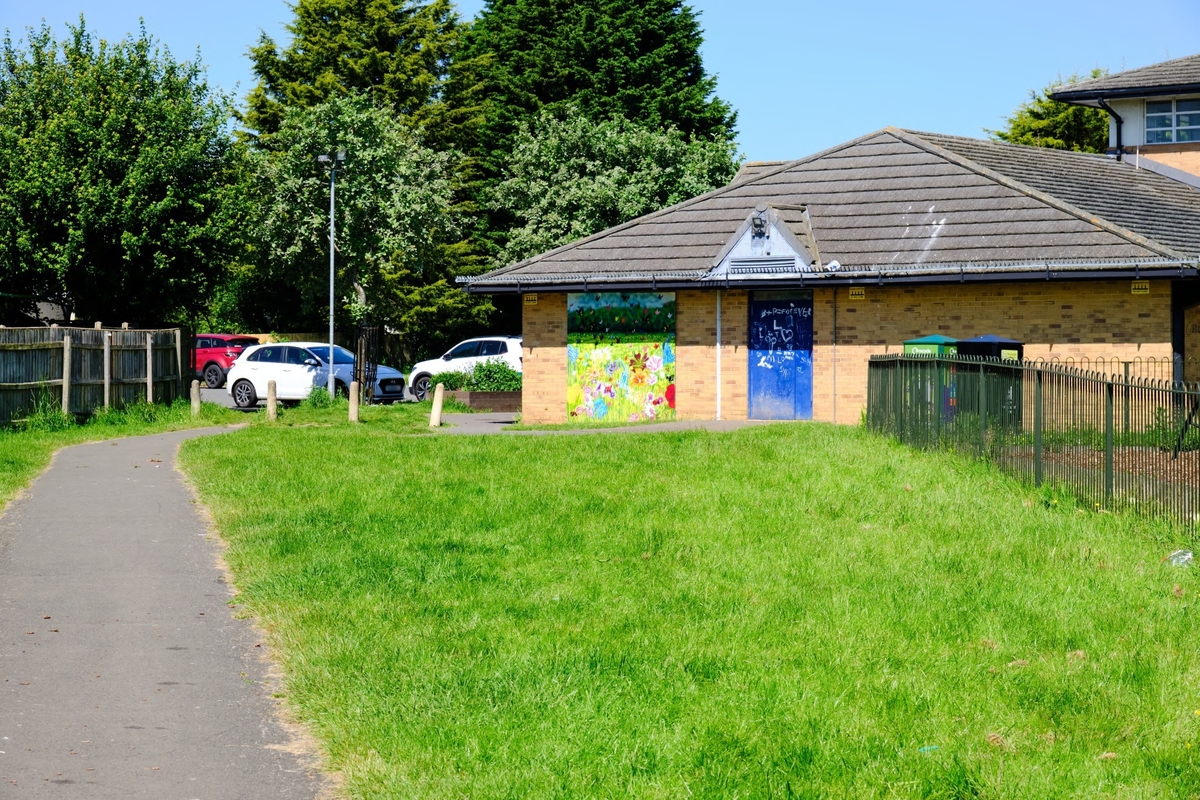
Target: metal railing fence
[[1117, 443]]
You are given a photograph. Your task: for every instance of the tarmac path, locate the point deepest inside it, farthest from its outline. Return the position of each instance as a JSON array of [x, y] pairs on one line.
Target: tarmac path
[[123, 673]]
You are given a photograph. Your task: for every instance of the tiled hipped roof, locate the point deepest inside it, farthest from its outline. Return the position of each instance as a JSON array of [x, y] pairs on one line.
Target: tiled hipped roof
[[1168, 77], [898, 202]]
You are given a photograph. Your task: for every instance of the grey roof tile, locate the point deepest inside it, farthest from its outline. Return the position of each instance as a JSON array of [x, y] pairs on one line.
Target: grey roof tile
[[899, 199], [1167, 77]]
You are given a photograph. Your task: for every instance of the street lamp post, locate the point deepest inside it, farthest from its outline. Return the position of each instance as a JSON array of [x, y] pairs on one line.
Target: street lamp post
[[333, 162]]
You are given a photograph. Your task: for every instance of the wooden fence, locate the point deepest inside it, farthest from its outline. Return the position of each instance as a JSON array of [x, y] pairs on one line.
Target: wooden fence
[[82, 369]]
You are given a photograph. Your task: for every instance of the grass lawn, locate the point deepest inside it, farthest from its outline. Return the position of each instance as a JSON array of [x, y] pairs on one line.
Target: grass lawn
[[783, 611]]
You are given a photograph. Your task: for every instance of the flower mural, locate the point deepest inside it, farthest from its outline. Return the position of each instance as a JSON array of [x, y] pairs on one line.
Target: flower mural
[[621, 356]]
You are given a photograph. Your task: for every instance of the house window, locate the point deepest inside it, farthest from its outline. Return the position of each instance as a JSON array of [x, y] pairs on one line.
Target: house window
[[1172, 121]]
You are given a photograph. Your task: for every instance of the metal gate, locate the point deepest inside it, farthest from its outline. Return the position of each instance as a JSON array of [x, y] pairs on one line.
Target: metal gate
[[366, 359], [781, 335]]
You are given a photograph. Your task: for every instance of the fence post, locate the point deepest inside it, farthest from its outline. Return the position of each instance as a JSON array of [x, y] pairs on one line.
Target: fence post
[[66, 376], [982, 412], [149, 367], [1037, 427], [272, 402], [179, 362], [107, 370], [1108, 442], [195, 398], [354, 401], [1125, 399]]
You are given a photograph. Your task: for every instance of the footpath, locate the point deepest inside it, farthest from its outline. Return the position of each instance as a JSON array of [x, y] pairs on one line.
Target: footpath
[[123, 673]]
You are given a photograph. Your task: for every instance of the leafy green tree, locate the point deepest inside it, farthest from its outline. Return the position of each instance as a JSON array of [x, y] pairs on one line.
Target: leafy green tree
[[394, 51], [1045, 122], [570, 177], [118, 196], [392, 219], [639, 60]]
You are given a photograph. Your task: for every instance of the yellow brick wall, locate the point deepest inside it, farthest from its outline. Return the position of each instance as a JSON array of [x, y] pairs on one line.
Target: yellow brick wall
[[696, 354], [1085, 319], [544, 364], [1186, 160]]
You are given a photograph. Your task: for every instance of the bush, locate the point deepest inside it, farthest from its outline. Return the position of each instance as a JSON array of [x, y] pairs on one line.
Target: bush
[[494, 376], [490, 376], [453, 381]]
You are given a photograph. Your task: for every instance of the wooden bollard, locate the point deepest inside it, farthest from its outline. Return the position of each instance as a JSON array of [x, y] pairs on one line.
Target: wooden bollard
[[435, 416], [195, 398], [354, 401], [272, 403]]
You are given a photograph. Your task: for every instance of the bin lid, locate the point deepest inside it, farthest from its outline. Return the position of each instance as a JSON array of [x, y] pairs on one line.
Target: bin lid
[[990, 338], [936, 338]]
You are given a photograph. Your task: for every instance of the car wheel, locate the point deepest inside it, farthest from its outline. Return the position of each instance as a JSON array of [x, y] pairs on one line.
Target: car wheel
[[420, 388], [244, 395], [214, 377]]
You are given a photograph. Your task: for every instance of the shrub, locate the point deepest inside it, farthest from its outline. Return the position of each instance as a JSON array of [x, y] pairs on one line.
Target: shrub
[[494, 376], [318, 398], [453, 381]]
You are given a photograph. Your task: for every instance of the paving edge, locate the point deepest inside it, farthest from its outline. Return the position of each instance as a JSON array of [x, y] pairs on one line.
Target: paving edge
[[302, 743]]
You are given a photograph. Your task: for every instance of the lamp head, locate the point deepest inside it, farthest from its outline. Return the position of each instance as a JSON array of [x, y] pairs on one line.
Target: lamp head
[[322, 160], [341, 156]]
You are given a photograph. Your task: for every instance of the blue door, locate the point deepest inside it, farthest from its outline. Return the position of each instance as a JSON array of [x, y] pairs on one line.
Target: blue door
[[781, 335]]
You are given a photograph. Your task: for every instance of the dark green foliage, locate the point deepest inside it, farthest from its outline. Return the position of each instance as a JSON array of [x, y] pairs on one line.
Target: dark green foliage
[[1043, 122], [494, 375], [570, 176], [116, 199], [451, 381], [394, 51], [638, 60]]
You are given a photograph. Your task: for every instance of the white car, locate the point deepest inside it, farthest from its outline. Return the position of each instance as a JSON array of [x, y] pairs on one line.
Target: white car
[[296, 367], [463, 357]]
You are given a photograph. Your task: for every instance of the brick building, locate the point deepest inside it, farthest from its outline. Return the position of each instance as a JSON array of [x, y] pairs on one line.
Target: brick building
[[766, 298]]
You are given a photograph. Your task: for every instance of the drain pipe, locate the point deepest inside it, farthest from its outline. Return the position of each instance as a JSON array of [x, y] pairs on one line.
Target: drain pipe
[[835, 394], [718, 353], [1103, 104]]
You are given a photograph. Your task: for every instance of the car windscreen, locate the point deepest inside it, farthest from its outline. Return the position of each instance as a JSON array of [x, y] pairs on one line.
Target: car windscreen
[[340, 354], [240, 342]]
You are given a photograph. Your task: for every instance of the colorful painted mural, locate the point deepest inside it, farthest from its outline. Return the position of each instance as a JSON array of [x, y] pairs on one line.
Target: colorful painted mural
[[621, 356]]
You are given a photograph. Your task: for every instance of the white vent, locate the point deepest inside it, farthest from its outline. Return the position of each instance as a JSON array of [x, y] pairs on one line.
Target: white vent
[[765, 265]]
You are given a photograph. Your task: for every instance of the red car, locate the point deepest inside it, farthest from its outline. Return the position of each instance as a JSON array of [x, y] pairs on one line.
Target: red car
[[214, 353]]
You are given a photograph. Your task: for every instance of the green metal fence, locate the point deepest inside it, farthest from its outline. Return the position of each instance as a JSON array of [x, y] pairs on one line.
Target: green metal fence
[[1117, 443]]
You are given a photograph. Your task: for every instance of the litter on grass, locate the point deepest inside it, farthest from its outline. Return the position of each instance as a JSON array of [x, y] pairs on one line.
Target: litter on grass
[[1180, 558]]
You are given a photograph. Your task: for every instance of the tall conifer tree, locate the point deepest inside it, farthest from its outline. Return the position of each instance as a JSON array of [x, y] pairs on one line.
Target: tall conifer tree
[[394, 51], [637, 59]]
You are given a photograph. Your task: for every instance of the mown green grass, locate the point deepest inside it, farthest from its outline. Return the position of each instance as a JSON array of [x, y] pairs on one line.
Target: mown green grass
[[26, 450], [784, 611]]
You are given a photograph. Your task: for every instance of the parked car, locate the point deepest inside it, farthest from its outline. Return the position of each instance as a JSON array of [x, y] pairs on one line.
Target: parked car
[[214, 353], [296, 367], [462, 358]]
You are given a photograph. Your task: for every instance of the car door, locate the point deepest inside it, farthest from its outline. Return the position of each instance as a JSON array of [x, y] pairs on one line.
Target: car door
[[491, 349], [463, 357], [299, 375], [200, 353], [263, 365]]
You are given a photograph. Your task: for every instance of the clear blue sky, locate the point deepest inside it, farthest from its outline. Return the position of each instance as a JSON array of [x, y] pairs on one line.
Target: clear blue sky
[[803, 76]]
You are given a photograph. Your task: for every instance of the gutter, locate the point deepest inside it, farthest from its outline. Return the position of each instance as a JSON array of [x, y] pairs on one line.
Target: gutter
[[950, 273], [1104, 104], [1081, 97], [1030, 272]]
